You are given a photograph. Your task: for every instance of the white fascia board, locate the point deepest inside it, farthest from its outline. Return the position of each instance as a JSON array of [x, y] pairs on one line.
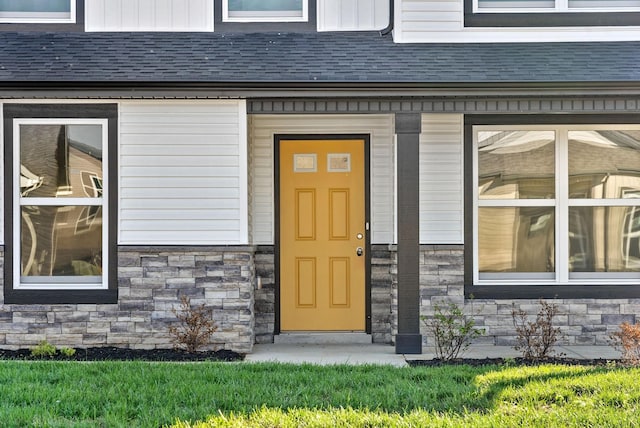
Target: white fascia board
[[521, 35]]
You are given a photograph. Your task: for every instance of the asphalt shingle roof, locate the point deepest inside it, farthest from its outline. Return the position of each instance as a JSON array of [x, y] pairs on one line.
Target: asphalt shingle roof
[[357, 58]]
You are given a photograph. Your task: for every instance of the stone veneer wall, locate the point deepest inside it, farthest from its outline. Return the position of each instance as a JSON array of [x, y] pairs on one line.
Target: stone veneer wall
[[582, 321], [265, 298], [384, 296], [151, 279], [150, 283], [383, 278]]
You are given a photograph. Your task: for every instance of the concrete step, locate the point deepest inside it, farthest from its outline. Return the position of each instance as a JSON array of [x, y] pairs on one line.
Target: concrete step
[[323, 338]]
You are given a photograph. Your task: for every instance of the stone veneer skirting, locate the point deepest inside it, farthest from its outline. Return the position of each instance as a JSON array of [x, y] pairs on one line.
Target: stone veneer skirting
[[581, 321], [237, 282], [150, 283]]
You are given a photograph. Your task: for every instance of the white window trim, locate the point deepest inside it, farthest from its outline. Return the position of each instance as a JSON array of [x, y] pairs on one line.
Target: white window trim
[[560, 6], [561, 204], [18, 201], [40, 17], [264, 16]]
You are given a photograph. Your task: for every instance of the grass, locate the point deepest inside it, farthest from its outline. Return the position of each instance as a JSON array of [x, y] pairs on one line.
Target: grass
[[271, 395]]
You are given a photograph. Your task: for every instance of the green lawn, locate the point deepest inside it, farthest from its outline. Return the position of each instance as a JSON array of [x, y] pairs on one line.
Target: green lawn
[[270, 395]]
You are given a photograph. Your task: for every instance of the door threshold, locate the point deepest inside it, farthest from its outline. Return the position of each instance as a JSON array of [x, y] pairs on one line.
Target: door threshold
[[323, 338]]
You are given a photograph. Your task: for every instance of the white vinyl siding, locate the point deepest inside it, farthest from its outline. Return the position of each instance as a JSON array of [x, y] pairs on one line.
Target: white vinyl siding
[[352, 15], [441, 179], [149, 15], [442, 21], [264, 127], [183, 173], [421, 16]]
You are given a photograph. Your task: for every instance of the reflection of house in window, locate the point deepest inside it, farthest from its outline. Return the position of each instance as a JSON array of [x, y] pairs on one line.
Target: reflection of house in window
[[62, 156], [92, 184], [631, 232], [582, 185], [87, 217], [28, 181], [61, 231], [580, 252]]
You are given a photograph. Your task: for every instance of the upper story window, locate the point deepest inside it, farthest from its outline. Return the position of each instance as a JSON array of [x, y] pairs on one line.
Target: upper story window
[[40, 11], [265, 10], [555, 5], [551, 13]]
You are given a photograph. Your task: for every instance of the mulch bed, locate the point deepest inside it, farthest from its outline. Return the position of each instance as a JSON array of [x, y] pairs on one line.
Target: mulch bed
[[124, 354], [477, 362]]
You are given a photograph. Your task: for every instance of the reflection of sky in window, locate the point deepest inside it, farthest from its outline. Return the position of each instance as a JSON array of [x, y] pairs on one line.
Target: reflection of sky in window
[[87, 138], [263, 5], [35, 5]]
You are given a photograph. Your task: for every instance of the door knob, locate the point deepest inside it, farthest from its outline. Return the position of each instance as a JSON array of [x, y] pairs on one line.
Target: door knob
[[359, 251]]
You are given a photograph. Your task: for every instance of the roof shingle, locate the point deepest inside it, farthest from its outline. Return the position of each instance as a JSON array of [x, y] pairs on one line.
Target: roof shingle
[[358, 58]]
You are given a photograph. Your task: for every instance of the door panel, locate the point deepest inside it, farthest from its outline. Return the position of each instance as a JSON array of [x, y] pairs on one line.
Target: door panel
[[305, 282], [339, 214], [305, 206], [339, 281], [322, 224]]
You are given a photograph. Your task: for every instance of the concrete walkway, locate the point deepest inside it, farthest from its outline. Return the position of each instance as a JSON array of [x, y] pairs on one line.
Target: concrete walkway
[[326, 354], [385, 354]]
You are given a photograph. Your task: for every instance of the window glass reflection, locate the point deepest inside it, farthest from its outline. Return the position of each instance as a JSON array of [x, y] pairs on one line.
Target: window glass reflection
[[604, 239], [516, 239], [262, 5], [604, 164], [61, 161], [61, 241], [35, 5], [516, 164], [515, 4]]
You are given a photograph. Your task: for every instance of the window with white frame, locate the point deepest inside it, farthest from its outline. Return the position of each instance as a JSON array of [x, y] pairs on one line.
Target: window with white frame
[[511, 6], [43, 11], [59, 212], [265, 10], [557, 204]]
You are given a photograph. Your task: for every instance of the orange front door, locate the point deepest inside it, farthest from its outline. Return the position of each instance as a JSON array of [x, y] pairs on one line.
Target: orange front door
[[322, 235]]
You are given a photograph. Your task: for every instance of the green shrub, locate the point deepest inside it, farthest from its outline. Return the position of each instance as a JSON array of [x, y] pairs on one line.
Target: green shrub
[[452, 330], [43, 350], [67, 352]]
